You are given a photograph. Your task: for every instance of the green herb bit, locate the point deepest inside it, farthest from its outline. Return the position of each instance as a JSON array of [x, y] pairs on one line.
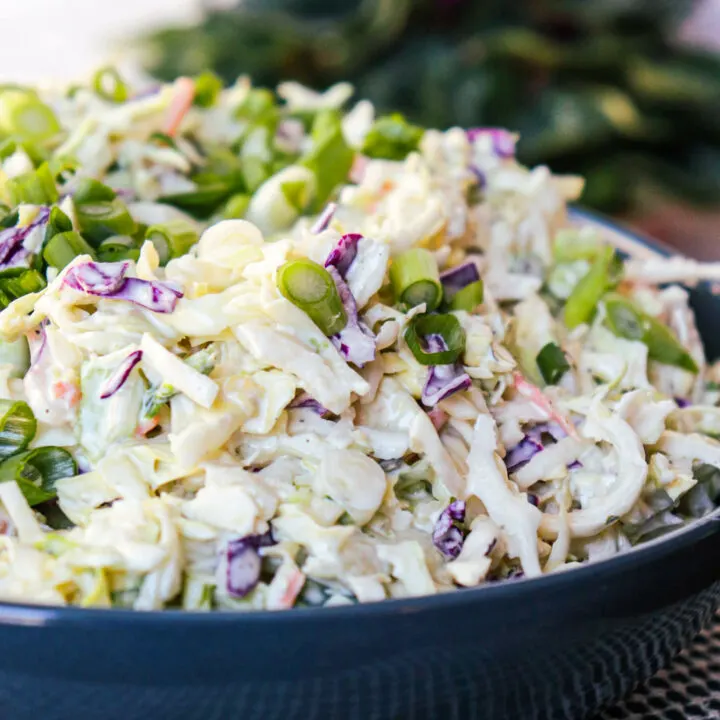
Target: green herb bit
[[626, 320], [552, 363]]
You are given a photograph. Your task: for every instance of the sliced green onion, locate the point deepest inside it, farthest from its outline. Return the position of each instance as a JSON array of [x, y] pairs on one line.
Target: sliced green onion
[[37, 154], [55, 518], [25, 116], [330, 157], [36, 187], [297, 194], [156, 398], [63, 167], [255, 172], [37, 471], [64, 247], [207, 88], [392, 137], [16, 282], [415, 279], [552, 363], [172, 239], [10, 219], [100, 220], [118, 247], [17, 355], [7, 148], [628, 321], [576, 244], [447, 326], [201, 202], [310, 287], [92, 191], [236, 206], [162, 138], [203, 361], [108, 84], [17, 427], [468, 298], [583, 301], [58, 222], [258, 107]]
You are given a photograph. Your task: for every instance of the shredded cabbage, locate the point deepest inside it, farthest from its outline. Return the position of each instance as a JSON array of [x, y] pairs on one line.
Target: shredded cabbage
[[234, 457]]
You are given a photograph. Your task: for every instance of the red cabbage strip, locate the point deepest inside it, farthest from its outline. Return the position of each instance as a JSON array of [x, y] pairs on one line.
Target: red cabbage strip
[[552, 429], [354, 342], [438, 418], [532, 444], [459, 277], [108, 280], [243, 563], [305, 402], [97, 278], [503, 141], [446, 536], [442, 380], [344, 253], [479, 176], [118, 378], [522, 453], [11, 240], [324, 219]]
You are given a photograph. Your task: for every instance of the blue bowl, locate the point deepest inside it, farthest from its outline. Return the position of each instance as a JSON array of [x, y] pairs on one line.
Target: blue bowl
[[559, 646]]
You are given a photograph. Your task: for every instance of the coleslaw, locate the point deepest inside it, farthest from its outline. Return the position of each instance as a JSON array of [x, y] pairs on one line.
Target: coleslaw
[[263, 354]]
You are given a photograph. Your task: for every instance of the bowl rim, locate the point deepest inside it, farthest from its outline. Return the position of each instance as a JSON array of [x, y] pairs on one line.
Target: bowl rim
[[627, 240]]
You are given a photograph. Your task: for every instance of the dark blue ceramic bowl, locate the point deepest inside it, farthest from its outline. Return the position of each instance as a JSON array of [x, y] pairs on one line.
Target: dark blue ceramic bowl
[[559, 646]]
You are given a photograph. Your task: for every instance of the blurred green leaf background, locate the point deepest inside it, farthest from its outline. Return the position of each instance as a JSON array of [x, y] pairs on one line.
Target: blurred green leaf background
[[596, 87]]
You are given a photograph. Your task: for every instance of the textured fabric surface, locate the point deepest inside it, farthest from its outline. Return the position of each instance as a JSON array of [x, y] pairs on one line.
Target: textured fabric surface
[[688, 690]]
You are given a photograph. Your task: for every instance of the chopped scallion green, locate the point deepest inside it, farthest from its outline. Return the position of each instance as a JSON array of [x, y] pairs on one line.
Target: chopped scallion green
[[415, 279], [311, 287]]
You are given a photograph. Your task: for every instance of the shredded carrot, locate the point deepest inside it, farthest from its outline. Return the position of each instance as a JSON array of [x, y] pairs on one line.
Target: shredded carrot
[[67, 391], [439, 418], [145, 426], [294, 586], [536, 395], [357, 170], [180, 104]]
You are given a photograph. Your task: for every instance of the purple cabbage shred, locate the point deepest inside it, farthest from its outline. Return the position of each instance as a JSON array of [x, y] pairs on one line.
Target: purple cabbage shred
[[109, 280], [536, 432], [244, 563], [532, 444], [522, 453], [118, 378], [324, 220], [354, 342], [305, 402], [682, 402], [446, 536], [503, 141], [12, 251], [343, 254], [459, 277], [442, 380]]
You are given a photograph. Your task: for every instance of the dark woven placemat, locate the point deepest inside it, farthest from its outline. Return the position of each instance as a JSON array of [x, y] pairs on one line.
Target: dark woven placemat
[[688, 690]]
